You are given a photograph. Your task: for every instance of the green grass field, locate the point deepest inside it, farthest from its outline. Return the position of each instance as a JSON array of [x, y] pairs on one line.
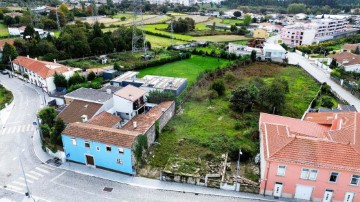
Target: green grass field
[[152, 28], [231, 21], [188, 68], [206, 129], [3, 30], [202, 26], [241, 42], [157, 41], [5, 97], [220, 38]]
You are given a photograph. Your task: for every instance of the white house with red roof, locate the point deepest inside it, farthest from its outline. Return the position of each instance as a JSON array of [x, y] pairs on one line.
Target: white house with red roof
[[317, 158], [41, 73]]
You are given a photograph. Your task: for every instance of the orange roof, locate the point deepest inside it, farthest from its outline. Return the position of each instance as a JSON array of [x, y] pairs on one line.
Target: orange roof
[[42, 68], [3, 42], [346, 58], [324, 139], [351, 47], [105, 119]]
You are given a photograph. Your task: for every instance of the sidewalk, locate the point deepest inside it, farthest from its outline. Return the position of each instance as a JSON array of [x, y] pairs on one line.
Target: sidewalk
[[140, 181]]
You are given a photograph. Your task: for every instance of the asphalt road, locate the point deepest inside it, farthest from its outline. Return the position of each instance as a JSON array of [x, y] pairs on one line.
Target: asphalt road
[[53, 184]]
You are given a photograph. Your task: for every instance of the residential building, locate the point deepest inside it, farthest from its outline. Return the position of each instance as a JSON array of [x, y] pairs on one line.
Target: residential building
[[150, 82], [2, 44], [350, 47], [101, 142], [260, 34], [41, 73], [274, 52], [239, 49], [15, 31], [297, 35], [80, 111], [129, 102], [315, 159], [349, 61], [90, 95], [270, 27]]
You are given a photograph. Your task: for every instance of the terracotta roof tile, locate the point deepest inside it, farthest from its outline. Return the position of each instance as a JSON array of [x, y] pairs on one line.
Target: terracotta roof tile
[[130, 92], [351, 47], [73, 112], [105, 119], [3, 42], [346, 58], [110, 136], [42, 68]]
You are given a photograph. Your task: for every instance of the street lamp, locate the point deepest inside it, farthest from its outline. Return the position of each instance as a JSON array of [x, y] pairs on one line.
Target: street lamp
[[237, 171]]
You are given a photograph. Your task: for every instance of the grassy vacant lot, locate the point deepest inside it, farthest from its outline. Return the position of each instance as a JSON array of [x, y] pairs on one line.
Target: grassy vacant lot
[[155, 29], [157, 41], [188, 68], [231, 21], [204, 129], [202, 26], [5, 97], [3, 30], [241, 42], [220, 38]]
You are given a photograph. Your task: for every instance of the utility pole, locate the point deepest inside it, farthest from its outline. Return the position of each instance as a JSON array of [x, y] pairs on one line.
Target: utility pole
[[27, 187], [138, 24], [57, 19], [12, 67], [237, 172]]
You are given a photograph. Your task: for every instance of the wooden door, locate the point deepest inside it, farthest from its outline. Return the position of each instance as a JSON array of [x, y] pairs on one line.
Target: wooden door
[[89, 160]]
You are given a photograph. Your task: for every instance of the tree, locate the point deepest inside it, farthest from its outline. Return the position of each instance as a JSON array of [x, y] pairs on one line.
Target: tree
[[76, 79], [213, 28], [357, 50], [91, 76], [61, 15], [247, 20], [47, 116], [237, 14], [141, 145], [240, 98], [63, 8], [98, 45], [29, 32], [327, 102], [117, 66], [276, 94], [157, 97], [333, 64], [219, 86], [9, 52], [183, 25], [55, 136], [253, 55], [233, 28], [60, 80], [9, 20], [295, 8], [45, 130]]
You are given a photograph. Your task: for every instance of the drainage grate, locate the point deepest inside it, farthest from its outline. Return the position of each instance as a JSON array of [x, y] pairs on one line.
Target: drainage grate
[[108, 189]]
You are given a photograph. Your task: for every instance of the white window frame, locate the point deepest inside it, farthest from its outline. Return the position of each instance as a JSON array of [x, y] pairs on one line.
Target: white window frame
[[121, 150], [106, 148], [358, 179], [87, 142], [283, 173], [313, 171], [308, 174], [337, 176], [73, 141]]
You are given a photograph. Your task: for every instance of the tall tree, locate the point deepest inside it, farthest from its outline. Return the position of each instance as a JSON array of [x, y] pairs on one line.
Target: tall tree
[[247, 20], [9, 51], [47, 116]]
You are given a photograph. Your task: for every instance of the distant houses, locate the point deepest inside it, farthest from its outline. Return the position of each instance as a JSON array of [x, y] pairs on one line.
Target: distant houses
[[267, 51], [41, 73], [2, 44], [349, 61]]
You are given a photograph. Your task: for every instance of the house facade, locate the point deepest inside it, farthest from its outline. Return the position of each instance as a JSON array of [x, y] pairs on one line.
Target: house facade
[[260, 33], [349, 61], [129, 102], [315, 159], [274, 52], [41, 73]]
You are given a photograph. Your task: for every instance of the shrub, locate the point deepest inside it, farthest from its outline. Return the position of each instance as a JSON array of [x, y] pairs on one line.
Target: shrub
[[158, 97], [229, 77], [91, 76], [218, 86]]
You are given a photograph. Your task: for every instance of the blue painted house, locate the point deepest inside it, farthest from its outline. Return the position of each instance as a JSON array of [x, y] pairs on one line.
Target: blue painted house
[[100, 147]]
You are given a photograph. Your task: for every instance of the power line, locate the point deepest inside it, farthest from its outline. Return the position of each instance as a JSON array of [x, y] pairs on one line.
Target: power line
[[138, 39]]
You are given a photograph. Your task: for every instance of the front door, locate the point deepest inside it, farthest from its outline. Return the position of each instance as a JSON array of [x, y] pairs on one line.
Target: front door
[[328, 195], [278, 189], [349, 196], [89, 160], [303, 192]]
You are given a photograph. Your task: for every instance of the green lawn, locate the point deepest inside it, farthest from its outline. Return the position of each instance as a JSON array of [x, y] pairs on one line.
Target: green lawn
[[157, 41], [241, 42], [153, 29], [5, 97], [231, 21], [205, 129], [209, 50], [202, 26], [188, 68], [3, 30]]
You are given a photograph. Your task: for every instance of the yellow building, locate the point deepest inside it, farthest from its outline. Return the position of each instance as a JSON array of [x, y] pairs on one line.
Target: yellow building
[[260, 33]]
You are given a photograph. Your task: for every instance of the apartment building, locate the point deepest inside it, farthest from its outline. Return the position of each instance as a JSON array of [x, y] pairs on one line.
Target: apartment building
[[297, 35]]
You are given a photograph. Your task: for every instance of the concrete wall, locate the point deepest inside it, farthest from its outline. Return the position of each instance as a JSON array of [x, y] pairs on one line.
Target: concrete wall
[[102, 157], [308, 37], [166, 116], [123, 106], [292, 179]]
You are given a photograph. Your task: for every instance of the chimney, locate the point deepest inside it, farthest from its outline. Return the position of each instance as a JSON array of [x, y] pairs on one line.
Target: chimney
[[28, 56], [84, 118], [108, 91], [134, 124], [35, 58], [54, 60]]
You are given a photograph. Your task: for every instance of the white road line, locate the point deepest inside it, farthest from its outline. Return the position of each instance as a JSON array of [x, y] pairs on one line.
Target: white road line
[[11, 130], [14, 187], [19, 183], [23, 128], [35, 173], [58, 176], [31, 176], [4, 130], [28, 127], [47, 167], [14, 158], [27, 180], [42, 170]]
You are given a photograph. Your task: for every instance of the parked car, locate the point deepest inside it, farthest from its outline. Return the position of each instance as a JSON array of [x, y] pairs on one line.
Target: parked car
[[4, 72]]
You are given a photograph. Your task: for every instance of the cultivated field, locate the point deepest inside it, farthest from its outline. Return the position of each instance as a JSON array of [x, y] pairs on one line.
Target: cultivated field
[[196, 18], [157, 41]]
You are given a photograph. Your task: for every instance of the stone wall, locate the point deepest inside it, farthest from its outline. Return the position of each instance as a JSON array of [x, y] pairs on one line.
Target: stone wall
[[166, 116]]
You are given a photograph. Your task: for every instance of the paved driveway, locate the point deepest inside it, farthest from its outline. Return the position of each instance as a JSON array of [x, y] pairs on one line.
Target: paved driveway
[[322, 76]]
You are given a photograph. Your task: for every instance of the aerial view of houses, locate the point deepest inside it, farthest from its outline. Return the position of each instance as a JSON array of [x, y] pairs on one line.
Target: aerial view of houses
[[181, 100]]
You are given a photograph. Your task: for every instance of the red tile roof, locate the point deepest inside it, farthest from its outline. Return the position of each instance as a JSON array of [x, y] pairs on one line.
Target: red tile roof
[[110, 136], [105, 119], [346, 58], [3, 42], [73, 112], [351, 47], [329, 139], [145, 121], [42, 68]]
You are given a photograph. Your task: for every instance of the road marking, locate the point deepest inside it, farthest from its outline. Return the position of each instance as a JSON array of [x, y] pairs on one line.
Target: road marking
[[42, 170], [19, 183], [14, 187], [31, 176], [14, 158], [27, 180], [28, 127], [23, 128], [11, 130], [35, 173], [58, 176], [47, 167]]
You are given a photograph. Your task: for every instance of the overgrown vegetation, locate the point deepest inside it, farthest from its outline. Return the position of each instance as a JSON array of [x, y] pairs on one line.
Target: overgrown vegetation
[[6, 96]]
